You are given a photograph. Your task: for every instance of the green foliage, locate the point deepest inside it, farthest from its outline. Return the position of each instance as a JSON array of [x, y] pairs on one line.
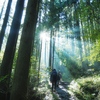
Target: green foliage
[[3, 78], [34, 94], [70, 62], [1, 56], [86, 88], [94, 53]]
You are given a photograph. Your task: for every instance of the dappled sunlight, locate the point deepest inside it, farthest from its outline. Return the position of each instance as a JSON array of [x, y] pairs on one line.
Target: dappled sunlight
[[66, 75], [60, 44], [74, 86], [44, 48], [68, 47], [44, 61], [85, 88], [1, 56], [49, 49], [44, 36]]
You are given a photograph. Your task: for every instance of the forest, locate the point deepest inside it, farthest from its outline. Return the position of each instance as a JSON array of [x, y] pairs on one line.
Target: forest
[[37, 36]]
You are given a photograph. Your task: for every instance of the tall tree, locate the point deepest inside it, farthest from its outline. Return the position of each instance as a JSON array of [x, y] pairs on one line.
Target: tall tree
[[19, 88], [2, 9], [40, 50], [51, 24], [50, 52], [7, 61], [5, 22]]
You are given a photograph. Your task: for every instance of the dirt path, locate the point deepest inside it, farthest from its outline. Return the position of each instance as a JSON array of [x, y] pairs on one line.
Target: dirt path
[[61, 93]]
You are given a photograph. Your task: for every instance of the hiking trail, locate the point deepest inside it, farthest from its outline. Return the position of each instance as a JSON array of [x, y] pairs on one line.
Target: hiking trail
[[61, 93]]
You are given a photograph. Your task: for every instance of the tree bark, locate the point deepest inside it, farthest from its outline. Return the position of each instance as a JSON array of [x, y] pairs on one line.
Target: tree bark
[[7, 61], [19, 88], [2, 9], [5, 22]]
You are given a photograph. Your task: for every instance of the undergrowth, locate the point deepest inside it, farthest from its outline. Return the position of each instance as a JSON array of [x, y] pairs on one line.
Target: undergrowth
[[86, 88]]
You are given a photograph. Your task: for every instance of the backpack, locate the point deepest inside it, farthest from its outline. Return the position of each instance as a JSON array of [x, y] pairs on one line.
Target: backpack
[[53, 76]]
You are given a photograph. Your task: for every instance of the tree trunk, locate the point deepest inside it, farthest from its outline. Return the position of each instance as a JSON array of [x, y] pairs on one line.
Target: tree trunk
[[40, 50], [5, 22], [50, 52], [78, 36], [2, 9], [19, 88], [7, 61], [53, 50]]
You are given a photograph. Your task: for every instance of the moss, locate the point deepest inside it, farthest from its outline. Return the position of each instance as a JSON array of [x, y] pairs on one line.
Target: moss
[[88, 88]]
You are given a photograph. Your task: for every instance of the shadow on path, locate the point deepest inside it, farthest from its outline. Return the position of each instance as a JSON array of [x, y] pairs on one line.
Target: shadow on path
[[62, 92]]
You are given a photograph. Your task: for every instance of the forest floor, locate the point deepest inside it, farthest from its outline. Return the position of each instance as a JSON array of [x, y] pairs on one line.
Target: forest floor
[[85, 88], [61, 93]]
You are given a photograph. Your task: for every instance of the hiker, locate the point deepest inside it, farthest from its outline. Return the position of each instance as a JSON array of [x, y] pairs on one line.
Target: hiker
[[58, 78], [53, 78]]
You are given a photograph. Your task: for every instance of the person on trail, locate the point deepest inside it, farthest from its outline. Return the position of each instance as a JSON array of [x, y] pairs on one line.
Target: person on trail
[[53, 78], [58, 78]]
